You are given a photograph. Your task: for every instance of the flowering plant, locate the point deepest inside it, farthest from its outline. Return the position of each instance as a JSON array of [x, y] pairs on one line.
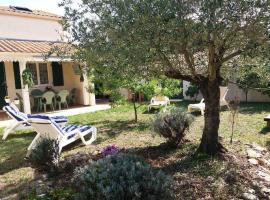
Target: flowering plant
[[111, 149]]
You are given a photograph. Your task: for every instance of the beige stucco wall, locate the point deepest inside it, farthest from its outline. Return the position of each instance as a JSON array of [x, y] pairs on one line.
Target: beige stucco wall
[[253, 95], [19, 27], [71, 80], [234, 91]]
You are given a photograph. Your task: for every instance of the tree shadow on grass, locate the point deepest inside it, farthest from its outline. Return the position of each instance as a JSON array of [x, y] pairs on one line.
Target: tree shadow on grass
[[13, 151], [182, 159], [13, 191], [252, 108], [265, 130], [110, 129], [267, 144]]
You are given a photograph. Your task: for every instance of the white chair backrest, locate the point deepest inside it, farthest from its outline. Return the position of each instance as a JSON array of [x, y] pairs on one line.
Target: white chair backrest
[[160, 99], [222, 97], [15, 113], [45, 126]]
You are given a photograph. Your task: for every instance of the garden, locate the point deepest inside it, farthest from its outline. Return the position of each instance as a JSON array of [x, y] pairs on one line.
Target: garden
[[189, 175], [149, 48]]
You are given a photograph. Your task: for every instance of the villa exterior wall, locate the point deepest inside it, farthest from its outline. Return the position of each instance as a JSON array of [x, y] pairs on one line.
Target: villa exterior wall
[[18, 27], [234, 91]]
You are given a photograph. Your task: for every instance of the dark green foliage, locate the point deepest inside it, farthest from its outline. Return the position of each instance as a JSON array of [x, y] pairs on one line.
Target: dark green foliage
[[45, 156], [172, 125], [192, 91], [124, 177], [27, 77]]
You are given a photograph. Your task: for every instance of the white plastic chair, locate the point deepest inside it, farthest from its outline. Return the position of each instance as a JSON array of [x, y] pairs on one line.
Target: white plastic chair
[[20, 119], [46, 127], [201, 106], [158, 101]]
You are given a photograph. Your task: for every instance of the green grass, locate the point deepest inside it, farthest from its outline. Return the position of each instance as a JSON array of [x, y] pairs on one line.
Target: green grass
[[117, 126]]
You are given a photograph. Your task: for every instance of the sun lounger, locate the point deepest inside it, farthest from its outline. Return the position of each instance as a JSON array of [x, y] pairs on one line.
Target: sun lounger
[[21, 120], [158, 101], [46, 127]]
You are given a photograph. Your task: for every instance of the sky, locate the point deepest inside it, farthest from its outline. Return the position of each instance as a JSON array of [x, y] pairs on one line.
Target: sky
[[45, 5]]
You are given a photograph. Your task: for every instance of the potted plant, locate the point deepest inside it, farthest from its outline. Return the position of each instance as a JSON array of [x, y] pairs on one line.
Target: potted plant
[[27, 77], [7, 99], [16, 101]]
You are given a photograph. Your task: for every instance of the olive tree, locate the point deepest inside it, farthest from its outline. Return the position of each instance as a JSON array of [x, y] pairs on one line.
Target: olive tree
[[182, 39]]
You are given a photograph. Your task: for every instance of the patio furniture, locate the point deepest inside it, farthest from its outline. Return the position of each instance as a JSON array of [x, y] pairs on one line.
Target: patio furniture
[[62, 98], [72, 96], [267, 119], [21, 119], [37, 96], [198, 106], [48, 99], [201, 106], [46, 127], [158, 101]]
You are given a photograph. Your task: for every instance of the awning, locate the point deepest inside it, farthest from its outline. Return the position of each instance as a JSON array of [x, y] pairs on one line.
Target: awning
[[26, 50]]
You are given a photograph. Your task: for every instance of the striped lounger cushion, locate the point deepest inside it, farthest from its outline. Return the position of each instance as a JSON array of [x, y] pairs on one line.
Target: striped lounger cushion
[[64, 130], [20, 116]]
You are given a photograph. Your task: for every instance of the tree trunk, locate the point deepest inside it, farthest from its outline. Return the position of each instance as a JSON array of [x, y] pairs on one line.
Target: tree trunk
[[246, 95], [210, 140], [135, 108]]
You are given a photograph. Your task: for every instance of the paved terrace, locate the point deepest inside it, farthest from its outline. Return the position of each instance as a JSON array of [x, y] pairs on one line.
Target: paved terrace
[[68, 112]]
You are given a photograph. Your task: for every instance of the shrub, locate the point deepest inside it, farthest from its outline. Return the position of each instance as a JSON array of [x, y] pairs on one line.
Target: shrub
[[45, 156], [116, 98], [124, 177], [192, 91], [172, 125]]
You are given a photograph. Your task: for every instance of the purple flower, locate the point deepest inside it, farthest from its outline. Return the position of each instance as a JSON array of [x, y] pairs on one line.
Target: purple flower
[[111, 149]]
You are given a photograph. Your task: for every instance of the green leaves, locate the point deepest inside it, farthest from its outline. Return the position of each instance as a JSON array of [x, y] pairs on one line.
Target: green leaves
[[27, 77]]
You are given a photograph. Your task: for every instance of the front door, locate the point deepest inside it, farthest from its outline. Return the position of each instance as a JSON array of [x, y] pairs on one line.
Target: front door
[[3, 86]]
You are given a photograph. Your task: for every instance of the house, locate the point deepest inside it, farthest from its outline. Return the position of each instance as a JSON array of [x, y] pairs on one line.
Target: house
[[26, 36]]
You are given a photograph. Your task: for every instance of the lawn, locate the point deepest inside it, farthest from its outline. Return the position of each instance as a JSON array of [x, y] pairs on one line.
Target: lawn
[[116, 126]]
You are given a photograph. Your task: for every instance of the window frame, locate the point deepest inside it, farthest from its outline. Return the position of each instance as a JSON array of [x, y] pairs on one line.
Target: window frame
[[38, 73]]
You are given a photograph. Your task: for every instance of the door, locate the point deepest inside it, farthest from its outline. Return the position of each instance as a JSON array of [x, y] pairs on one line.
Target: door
[[3, 86]]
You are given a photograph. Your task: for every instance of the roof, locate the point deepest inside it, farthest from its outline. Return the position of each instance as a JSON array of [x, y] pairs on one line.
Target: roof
[[25, 12], [29, 46]]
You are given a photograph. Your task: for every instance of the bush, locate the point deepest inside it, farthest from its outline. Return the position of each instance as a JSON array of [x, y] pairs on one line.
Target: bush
[[172, 125], [124, 177], [116, 98], [192, 91], [45, 156]]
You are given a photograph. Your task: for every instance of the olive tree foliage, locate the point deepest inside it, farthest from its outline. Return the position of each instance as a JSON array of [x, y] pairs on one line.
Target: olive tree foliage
[[182, 39]]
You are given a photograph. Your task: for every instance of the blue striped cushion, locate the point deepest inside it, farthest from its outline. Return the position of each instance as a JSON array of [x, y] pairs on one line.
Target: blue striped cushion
[[15, 113], [73, 127], [57, 119], [63, 130]]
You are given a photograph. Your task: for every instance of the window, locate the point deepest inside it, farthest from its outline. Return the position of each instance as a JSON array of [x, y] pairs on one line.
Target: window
[[57, 71], [40, 72], [43, 73], [32, 67]]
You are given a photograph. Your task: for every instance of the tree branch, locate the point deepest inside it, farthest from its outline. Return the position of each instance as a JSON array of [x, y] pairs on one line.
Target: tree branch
[[177, 75], [234, 54]]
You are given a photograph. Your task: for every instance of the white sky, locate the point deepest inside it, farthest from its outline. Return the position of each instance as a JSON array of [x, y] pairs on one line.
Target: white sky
[[45, 5]]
